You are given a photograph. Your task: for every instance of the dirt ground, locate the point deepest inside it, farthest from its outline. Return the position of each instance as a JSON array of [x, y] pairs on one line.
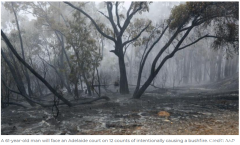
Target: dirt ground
[[193, 111]]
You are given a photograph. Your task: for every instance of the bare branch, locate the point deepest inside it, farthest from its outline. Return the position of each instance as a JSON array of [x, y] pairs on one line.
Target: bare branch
[[184, 29], [103, 14], [144, 56], [33, 71], [14, 103], [146, 46], [11, 90], [135, 38], [193, 42], [164, 48], [94, 23], [129, 9], [227, 39], [109, 8], [129, 17], [149, 50], [118, 21], [127, 47], [172, 53]]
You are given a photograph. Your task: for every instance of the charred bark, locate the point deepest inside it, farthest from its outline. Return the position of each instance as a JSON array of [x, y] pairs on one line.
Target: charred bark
[[14, 103], [23, 55], [33, 71], [123, 75], [18, 80], [59, 75], [117, 37], [154, 71]]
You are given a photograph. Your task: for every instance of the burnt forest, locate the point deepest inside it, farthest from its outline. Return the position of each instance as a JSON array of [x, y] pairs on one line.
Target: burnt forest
[[119, 68]]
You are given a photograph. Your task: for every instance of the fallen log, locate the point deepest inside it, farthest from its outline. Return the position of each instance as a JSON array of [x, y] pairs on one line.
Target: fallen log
[[78, 103], [14, 103], [93, 100]]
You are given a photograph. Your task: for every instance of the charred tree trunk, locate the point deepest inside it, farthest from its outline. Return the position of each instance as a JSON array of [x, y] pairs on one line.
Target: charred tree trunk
[[18, 80], [154, 69], [123, 75], [122, 68], [118, 30], [23, 55], [33, 71], [143, 61], [76, 90]]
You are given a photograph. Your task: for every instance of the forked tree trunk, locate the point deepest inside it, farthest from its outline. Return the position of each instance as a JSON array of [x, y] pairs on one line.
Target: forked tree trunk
[[138, 93], [154, 70]]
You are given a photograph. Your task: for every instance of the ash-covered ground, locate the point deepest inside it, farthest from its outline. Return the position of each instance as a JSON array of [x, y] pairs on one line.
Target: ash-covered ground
[[201, 110]]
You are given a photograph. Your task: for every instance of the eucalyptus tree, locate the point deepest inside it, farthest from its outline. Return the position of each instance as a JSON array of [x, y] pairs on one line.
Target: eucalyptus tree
[[80, 38], [51, 21], [54, 91], [18, 80], [15, 8], [119, 23], [8, 43], [183, 19]]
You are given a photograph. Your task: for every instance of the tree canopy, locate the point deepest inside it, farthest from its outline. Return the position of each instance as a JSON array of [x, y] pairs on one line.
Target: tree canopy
[[223, 15]]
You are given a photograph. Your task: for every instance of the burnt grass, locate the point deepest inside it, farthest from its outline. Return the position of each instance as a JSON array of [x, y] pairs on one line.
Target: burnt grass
[[193, 111]]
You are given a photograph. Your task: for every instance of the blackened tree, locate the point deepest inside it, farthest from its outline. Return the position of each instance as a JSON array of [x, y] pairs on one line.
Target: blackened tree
[[223, 16], [117, 32]]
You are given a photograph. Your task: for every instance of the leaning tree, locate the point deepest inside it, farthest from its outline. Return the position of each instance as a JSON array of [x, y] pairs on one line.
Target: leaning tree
[[222, 16]]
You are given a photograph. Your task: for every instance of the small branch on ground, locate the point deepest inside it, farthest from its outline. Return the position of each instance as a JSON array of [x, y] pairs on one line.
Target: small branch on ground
[[14, 103]]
